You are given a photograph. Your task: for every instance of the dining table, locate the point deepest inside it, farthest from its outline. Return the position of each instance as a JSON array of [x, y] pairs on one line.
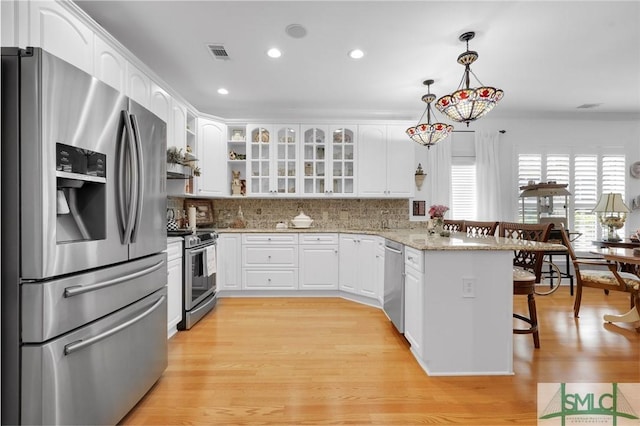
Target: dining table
[[623, 256]]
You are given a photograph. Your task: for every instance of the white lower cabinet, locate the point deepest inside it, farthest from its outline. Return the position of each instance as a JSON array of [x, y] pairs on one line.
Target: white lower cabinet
[[319, 262], [379, 265], [229, 255], [269, 261], [414, 299], [273, 279], [174, 286], [357, 264]]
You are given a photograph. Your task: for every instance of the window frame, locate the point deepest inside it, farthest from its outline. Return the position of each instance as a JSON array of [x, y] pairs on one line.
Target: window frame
[[574, 205]]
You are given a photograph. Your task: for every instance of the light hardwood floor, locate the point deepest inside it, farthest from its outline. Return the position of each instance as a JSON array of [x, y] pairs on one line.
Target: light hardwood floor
[[310, 361]]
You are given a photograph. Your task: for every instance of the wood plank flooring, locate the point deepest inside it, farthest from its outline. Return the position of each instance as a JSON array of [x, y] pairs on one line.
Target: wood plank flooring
[[315, 361]]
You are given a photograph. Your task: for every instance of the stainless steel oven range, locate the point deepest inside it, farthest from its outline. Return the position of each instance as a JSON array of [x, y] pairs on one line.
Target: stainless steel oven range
[[199, 277]]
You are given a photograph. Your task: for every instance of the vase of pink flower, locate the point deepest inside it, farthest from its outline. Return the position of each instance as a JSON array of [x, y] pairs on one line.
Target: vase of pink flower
[[436, 212]]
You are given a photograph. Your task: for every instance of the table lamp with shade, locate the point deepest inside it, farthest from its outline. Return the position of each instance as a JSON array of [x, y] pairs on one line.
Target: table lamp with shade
[[612, 212]]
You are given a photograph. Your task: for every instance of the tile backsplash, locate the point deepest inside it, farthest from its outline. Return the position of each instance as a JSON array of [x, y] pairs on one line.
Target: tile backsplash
[[326, 213]]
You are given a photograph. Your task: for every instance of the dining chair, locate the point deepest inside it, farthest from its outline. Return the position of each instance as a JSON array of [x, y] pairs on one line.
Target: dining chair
[[609, 279], [453, 225], [527, 269], [480, 229]]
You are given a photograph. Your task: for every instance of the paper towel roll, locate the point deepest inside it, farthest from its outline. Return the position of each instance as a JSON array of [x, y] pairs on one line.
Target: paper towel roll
[[192, 218]]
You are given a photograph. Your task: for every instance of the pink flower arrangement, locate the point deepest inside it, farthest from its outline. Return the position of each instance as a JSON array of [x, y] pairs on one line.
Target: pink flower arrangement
[[437, 210]]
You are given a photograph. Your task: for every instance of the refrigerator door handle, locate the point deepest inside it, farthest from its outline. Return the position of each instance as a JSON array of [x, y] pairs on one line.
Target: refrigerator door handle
[[81, 289], [121, 177], [81, 344], [133, 186], [139, 173]]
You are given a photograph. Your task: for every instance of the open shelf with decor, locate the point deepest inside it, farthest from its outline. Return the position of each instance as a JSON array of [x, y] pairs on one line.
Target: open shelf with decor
[[237, 159]]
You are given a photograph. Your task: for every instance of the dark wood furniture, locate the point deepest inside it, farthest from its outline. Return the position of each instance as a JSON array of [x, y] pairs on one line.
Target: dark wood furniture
[[453, 225], [480, 229], [556, 237], [614, 280], [527, 270], [626, 243]]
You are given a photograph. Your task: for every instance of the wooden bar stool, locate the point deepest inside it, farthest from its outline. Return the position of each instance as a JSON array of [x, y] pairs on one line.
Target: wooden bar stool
[[527, 270]]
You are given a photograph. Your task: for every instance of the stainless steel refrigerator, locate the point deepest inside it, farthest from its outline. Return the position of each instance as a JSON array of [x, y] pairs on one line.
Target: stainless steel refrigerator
[[84, 311]]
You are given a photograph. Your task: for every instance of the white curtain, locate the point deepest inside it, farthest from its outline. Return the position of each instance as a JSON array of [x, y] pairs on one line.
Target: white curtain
[[488, 176], [439, 173]]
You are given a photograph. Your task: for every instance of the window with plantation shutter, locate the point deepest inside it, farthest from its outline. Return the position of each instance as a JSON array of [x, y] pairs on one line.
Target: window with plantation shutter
[[585, 196], [463, 190], [529, 169], [588, 176]]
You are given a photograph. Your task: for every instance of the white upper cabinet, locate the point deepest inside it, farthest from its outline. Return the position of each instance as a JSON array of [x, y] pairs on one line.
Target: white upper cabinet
[[57, 31], [372, 160], [178, 136], [138, 86], [272, 153], [160, 103], [109, 65], [328, 160], [212, 156], [385, 162], [400, 162]]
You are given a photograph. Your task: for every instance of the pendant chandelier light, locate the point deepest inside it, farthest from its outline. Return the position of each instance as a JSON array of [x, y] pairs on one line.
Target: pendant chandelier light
[[468, 104], [428, 133]]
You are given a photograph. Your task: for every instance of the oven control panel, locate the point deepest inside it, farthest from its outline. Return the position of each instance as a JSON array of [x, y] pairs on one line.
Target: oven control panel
[[200, 239]]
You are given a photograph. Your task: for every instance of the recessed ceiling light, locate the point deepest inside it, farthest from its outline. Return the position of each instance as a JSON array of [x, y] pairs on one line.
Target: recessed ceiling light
[[223, 91], [356, 54], [274, 53]]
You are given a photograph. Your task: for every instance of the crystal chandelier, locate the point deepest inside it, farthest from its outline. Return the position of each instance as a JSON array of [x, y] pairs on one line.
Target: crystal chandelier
[[427, 133], [467, 103]]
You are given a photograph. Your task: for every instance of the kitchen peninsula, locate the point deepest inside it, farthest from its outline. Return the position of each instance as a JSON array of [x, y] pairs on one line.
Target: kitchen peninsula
[[458, 289]]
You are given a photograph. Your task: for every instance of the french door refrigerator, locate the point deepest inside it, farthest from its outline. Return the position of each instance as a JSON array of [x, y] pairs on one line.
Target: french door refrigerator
[[83, 270]]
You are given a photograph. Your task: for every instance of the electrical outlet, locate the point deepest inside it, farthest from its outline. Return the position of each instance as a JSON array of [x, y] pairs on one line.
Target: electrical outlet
[[344, 215], [325, 216], [468, 287]]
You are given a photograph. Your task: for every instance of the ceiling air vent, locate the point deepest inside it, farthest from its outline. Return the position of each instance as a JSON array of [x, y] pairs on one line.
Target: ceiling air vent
[[218, 51], [587, 106]]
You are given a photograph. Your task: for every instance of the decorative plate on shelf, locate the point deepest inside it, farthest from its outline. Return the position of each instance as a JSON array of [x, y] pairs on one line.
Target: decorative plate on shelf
[[634, 170]]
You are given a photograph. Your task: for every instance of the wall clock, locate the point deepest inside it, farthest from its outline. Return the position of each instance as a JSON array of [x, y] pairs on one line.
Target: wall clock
[[635, 170]]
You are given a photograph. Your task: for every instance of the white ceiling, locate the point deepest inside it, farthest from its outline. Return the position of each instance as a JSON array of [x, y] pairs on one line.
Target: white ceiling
[[549, 57]]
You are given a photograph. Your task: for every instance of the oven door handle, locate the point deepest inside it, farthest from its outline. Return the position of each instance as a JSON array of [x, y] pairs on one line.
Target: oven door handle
[[81, 344], [199, 250], [81, 289]]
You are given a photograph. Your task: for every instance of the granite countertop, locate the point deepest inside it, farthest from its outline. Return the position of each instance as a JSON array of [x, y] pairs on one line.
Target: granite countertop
[[421, 240]]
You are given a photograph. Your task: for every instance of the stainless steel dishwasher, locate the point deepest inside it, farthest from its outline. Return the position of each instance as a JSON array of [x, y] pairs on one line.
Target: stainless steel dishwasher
[[394, 283]]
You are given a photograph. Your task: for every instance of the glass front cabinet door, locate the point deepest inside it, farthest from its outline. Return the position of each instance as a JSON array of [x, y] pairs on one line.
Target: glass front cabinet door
[[273, 159], [259, 143], [328, 160]]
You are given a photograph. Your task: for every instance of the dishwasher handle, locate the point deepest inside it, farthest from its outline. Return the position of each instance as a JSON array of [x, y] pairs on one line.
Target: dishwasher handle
[[393, 250]]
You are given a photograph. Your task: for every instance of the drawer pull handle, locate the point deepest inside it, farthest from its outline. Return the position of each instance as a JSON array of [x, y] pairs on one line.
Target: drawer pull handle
[[79, 289], [81, 344]]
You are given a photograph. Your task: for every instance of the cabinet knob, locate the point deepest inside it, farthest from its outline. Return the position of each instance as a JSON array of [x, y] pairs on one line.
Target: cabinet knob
[[410, 257], [269, 279], [318, 238]]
